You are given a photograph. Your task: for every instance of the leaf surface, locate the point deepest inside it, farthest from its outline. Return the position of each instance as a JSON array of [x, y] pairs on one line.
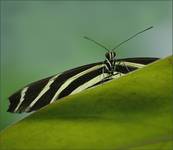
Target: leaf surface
[[133, 112]]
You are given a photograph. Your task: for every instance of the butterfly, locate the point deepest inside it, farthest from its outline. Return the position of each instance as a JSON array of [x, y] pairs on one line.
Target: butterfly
[[38, 94]]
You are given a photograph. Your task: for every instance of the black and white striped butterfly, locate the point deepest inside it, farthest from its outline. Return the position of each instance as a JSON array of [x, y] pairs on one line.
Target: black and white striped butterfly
[[43, 92]]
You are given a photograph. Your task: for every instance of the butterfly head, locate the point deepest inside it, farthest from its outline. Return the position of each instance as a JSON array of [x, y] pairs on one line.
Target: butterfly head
[[110, 55]]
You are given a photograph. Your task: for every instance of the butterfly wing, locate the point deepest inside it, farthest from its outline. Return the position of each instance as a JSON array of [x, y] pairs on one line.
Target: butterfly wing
[[43, 92], [127, 65]]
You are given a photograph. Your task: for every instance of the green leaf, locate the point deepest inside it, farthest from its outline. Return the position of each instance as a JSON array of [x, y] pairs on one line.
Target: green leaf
[[133, 112]]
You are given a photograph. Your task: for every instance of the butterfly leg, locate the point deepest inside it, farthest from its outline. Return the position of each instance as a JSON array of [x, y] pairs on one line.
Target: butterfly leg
[[102, 79], [115, 69], [125, 66], [104, 76]]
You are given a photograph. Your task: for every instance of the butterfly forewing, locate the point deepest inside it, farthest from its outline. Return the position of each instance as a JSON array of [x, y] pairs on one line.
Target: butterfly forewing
[[45, 91]]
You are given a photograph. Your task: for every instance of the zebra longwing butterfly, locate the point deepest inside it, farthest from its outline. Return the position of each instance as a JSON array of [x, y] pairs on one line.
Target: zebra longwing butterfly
[[43, 92]]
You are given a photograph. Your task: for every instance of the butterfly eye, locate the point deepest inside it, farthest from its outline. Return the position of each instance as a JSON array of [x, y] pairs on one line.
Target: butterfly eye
[[107, 55], [113, 54]]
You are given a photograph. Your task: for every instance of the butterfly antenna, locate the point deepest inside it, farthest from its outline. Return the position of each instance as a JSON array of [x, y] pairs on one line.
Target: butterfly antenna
[[85, 37], [131, 38]]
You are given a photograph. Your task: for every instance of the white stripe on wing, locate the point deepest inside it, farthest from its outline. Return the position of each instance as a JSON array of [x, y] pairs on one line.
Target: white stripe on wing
[[70, 80], [90, 83], [137, 65], [43, 91], [23, 92]]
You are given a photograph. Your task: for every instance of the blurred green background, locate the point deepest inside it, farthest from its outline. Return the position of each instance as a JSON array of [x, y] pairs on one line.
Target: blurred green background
[[39, 39]]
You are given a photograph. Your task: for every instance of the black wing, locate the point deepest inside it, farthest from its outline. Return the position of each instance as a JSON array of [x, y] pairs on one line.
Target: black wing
[[130, 64], [43, 92]]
